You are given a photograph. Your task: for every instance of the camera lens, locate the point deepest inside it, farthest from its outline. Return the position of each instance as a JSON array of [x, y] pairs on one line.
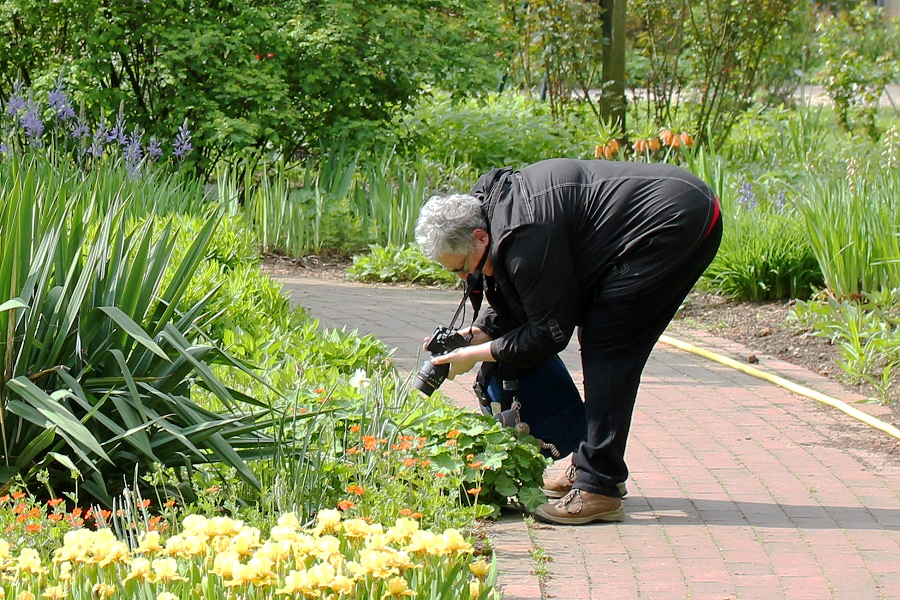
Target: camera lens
[[430, 377]]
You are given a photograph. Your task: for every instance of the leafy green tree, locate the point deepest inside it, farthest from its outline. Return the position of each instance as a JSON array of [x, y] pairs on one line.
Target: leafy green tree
[[711, 58], [859, 48], [278, 74], [560, 44]]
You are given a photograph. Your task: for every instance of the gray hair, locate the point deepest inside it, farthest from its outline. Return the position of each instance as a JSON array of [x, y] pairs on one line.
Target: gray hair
[[446, 224]]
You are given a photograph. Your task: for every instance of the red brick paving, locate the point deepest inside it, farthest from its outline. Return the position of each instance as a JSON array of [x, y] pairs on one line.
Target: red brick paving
[[738, 488]]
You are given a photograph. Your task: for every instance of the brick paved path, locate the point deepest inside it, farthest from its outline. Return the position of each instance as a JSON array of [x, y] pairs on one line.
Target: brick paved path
[[738, 488]]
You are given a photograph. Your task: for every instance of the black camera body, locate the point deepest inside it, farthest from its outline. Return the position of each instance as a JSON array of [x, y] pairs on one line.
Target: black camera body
[[430, 376]]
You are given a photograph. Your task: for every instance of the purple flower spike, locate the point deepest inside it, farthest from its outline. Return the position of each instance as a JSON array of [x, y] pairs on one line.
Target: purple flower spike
[[747, 198], [81, 130], [16, 102], [32, 123], [182, 144], [133, 154], [154, 149], [59, 101], [117, 133]]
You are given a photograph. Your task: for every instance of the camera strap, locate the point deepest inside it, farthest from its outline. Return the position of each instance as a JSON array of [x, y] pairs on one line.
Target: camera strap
[[474, 292]]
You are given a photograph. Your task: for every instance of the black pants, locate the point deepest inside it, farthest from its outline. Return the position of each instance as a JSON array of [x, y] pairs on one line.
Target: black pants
[[616, 340]]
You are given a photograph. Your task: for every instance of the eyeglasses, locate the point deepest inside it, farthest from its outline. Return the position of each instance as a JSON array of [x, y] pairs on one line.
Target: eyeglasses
[[465, 267]]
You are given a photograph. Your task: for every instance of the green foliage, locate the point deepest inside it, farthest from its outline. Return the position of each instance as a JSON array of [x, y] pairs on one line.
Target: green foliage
[[493, 460], [764, 254], [495, 131], [859, 50], [398, 264], [852, 219], [98, 366], [865, 332], [561, 41], [267, 74], [717, 54]]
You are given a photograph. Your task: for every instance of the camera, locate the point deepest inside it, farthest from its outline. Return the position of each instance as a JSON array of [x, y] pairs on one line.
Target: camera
[[430, 376]]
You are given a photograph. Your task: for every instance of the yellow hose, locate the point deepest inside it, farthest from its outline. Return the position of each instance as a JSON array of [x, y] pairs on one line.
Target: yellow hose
[[789, 385]]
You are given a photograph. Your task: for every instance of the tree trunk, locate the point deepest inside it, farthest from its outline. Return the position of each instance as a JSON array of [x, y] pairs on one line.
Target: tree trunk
[[612, 105]]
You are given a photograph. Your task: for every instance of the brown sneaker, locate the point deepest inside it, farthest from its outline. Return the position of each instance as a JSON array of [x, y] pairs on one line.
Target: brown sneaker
[[561, 485], [579, 507]]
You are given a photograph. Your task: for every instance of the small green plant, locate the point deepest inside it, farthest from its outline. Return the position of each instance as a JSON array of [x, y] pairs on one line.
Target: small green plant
[[398, 264], [538, 554], [497, 465], [867, 332], [764, 254]]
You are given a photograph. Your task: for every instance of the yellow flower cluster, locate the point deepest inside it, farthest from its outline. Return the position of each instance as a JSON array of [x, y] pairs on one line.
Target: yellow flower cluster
[[336, 558]]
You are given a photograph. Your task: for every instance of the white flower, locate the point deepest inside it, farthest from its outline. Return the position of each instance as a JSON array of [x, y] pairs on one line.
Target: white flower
[[359, 380]]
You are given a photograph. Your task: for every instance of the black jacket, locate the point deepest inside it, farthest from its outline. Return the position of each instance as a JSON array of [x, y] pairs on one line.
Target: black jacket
[[565, 232]]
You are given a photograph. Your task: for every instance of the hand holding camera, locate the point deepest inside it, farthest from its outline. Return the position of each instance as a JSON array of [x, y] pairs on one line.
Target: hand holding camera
[[430, 375]]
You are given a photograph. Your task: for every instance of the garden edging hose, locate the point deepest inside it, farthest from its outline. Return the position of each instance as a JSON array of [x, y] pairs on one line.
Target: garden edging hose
[[789, 385]]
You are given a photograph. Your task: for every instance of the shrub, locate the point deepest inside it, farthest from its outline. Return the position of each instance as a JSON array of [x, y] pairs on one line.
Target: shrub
[[764, 254], [101, 365], [398, 264]]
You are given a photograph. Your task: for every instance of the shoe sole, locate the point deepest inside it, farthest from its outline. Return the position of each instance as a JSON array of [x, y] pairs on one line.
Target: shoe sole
[[611, 516], [555, 495]]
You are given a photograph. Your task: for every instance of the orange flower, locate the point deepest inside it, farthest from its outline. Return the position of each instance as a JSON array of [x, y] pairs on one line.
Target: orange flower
[[145, 503], [4, 498], [408, 462], [369, 442], [440, 475], [667, 137], [55, 517], [355, 428], [18, 495], [453, 434], [319, 390], [425, 463], [474, 491], [470, 456], [476, 465], [33, 527], [55, 501], [154, 523], [356, 490], [169, 503], [213, 489], [353, 450], [345, 505], [19, 509], [451, 442]]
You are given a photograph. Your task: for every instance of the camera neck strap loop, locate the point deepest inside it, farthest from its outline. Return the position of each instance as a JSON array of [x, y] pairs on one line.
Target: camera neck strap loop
[[474, 292]]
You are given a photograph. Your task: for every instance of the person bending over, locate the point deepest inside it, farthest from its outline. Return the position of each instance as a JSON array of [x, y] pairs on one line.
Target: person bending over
[[609, 248]]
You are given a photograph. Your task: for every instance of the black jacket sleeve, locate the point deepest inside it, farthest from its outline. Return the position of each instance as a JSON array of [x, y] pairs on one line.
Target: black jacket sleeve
[[539, 267]]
